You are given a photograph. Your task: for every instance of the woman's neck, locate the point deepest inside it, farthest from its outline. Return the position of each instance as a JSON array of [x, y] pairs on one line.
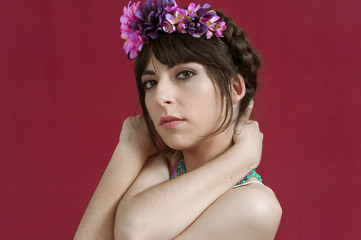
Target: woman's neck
[[208, 150]]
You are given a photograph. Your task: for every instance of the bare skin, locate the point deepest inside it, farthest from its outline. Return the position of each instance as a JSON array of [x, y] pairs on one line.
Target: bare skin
[[137, 201], [155, 207], [153, 202], [134, 144], [248, 212], [99, 217]]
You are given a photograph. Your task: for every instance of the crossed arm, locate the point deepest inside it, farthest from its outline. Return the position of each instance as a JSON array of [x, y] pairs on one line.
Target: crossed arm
[[149, 207], [98, 219], [124, 166], [197, 205], [157, 208]]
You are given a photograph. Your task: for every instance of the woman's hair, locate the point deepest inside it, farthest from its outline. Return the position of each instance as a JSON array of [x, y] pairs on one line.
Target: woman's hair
[[223, 58]]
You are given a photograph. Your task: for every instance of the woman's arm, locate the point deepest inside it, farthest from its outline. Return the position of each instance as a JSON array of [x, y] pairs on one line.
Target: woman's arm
[[155, 208], [249, 212], [129, 156]]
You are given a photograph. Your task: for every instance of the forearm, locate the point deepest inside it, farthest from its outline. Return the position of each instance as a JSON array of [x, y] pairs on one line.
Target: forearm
[[164, 210], [98, 219]]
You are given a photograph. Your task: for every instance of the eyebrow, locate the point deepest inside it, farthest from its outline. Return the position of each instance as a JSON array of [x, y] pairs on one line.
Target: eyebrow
[[147, 72]]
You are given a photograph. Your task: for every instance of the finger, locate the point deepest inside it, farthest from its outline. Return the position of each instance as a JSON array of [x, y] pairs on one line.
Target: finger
[[248, 111]]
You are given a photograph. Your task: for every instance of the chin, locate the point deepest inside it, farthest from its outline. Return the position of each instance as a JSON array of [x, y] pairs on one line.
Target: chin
[[178, 144]]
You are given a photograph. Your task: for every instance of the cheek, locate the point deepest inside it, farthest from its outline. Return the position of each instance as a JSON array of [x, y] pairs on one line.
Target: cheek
[[149, 106], [208, 103], [210, 95], [148, 103]]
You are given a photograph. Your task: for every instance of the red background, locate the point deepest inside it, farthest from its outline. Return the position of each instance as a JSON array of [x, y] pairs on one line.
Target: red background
[[66, 87]]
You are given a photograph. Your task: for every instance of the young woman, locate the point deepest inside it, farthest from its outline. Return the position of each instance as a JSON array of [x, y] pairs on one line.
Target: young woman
[[184, 169]]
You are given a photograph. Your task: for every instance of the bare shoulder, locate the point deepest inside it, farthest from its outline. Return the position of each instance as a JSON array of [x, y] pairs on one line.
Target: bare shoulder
[[248, 212], [256, 207]]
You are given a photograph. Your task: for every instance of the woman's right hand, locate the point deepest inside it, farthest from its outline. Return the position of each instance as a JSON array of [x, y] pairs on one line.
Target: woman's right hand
[[248, 138], [135, 135]]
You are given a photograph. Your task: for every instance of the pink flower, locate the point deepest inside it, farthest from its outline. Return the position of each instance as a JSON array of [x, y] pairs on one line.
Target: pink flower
[[171, 9], [174, 21], [181, 28], [127, 19], [177, 17], [209, 34], [168, 27], [214, 19], [133, 46], [192, 9], [140, 23], [219, 28], [210, 22]]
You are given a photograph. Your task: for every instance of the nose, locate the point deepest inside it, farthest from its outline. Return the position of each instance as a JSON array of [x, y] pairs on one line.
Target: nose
[[164, 92]]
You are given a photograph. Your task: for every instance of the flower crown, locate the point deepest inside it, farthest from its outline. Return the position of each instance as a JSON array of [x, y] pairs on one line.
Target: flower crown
[[141, 23]]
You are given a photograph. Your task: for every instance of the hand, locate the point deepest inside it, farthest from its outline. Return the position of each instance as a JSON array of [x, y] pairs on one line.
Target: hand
[[248, 138], [135, 134]]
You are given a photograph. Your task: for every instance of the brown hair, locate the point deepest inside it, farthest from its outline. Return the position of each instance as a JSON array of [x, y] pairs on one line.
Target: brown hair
[[223, 58]]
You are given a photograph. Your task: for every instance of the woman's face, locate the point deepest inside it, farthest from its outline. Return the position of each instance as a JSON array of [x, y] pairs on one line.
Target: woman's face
[[182, 102]]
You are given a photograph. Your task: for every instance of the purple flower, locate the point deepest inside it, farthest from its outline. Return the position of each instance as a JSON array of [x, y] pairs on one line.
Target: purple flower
[[150, 16], [140, 23], [211, 14], [195, 27], [206, 7]]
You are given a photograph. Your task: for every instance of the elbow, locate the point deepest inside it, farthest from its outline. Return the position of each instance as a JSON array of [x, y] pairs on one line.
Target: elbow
[[126, 232], [127, 226], [133, 221]]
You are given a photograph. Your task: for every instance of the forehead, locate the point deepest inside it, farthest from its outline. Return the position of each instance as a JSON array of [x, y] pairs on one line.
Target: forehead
[[154, 65]]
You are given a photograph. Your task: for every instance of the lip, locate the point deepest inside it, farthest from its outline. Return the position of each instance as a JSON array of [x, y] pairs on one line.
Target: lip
[[170, 121]]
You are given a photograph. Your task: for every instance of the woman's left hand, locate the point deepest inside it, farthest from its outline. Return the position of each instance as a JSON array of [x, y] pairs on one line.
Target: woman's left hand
[[248, 138]]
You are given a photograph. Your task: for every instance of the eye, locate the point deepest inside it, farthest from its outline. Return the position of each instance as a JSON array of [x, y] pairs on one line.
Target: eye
[[185, 74], [149, 84]]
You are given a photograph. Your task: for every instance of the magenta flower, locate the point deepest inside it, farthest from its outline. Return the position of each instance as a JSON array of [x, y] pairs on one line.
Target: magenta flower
[[177, 17], [141, 23], [127, 20], [192, 9], [214, 19], [211, 24], [209, 34], [174, 21], [134, 41], [181, 28], [219, 28], [168, 27], [171, 9], [133, 45]]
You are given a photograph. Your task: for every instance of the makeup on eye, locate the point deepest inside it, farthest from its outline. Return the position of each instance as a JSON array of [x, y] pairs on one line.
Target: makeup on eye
[[148, 79], [185, 74], [180, 71], [149, 84]]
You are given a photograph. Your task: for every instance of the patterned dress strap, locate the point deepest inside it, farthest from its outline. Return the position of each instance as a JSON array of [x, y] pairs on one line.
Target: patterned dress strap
[[180, 168]]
